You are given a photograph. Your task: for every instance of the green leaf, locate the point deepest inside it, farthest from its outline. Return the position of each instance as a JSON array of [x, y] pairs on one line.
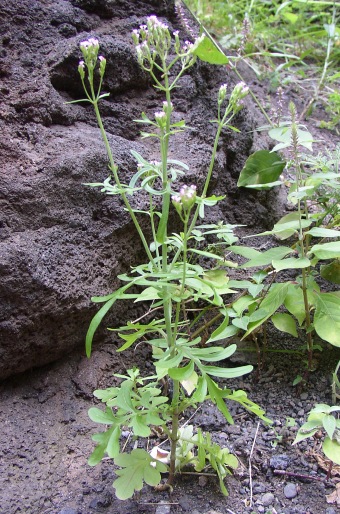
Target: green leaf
[[294, 303], [209, 51], [241, 397], [323, 232], [140, 426], [291, 263], [284, 135], [332, 450], [96, 320], [99, 416], [327, 317], [245, 251], [182, 373], [136, 468], [108, 443], [112, 448], [265, 258], [213, 353], [326, 250], [97, 455], [241, 323], [262, 167], [329, 424], [217, 396], [307, 430], [226, 372], [331, 272], [285, 323], [190, 383], [274, 299], [286, 228]]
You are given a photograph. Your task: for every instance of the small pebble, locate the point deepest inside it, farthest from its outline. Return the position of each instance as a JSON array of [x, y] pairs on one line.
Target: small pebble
[[330, 510], [163, 508], [67, 510], [203, 480], [290, 491], [279, 461], [259, 488], [304, 396], [268, 499]]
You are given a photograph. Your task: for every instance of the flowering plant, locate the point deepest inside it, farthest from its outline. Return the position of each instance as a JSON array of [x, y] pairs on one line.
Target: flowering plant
[[170, 282]]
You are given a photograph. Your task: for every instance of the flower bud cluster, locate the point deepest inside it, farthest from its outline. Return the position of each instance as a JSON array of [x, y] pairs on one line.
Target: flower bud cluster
[[184, 200], [222, 94], [151, 39], [90, 50], [154, 39], [161, 116], [239, 92]]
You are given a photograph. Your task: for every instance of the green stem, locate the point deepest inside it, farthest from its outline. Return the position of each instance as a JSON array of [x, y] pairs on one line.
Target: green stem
[[174, 431], [113, 168]]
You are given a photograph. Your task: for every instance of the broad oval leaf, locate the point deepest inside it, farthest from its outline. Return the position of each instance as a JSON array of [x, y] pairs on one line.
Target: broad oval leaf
[[262, 167], [208, 51], [291, 263], [326, 250], [323, 232], [331, 272], [329, 424], [332, 450], [285, 323], [327, 317]]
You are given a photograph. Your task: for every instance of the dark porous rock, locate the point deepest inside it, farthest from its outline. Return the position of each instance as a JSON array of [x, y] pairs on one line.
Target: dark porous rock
[[279, 461], [62, 242]]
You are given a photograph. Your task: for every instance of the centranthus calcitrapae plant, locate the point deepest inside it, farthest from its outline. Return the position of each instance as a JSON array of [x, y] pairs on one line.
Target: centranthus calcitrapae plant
[[172, 280]]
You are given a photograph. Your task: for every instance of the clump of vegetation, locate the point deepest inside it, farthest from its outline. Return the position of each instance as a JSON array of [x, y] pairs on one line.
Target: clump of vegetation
[[188, 272]]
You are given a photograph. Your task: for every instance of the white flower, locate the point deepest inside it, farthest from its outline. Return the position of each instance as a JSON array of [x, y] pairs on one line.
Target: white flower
[[160, 115]]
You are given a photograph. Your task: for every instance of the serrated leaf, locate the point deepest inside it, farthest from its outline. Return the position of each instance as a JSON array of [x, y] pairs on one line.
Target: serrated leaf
[[262, 167], [139, 426], [99, 416], [97, 455], [285, 323], [332, 450], [136, 469]]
